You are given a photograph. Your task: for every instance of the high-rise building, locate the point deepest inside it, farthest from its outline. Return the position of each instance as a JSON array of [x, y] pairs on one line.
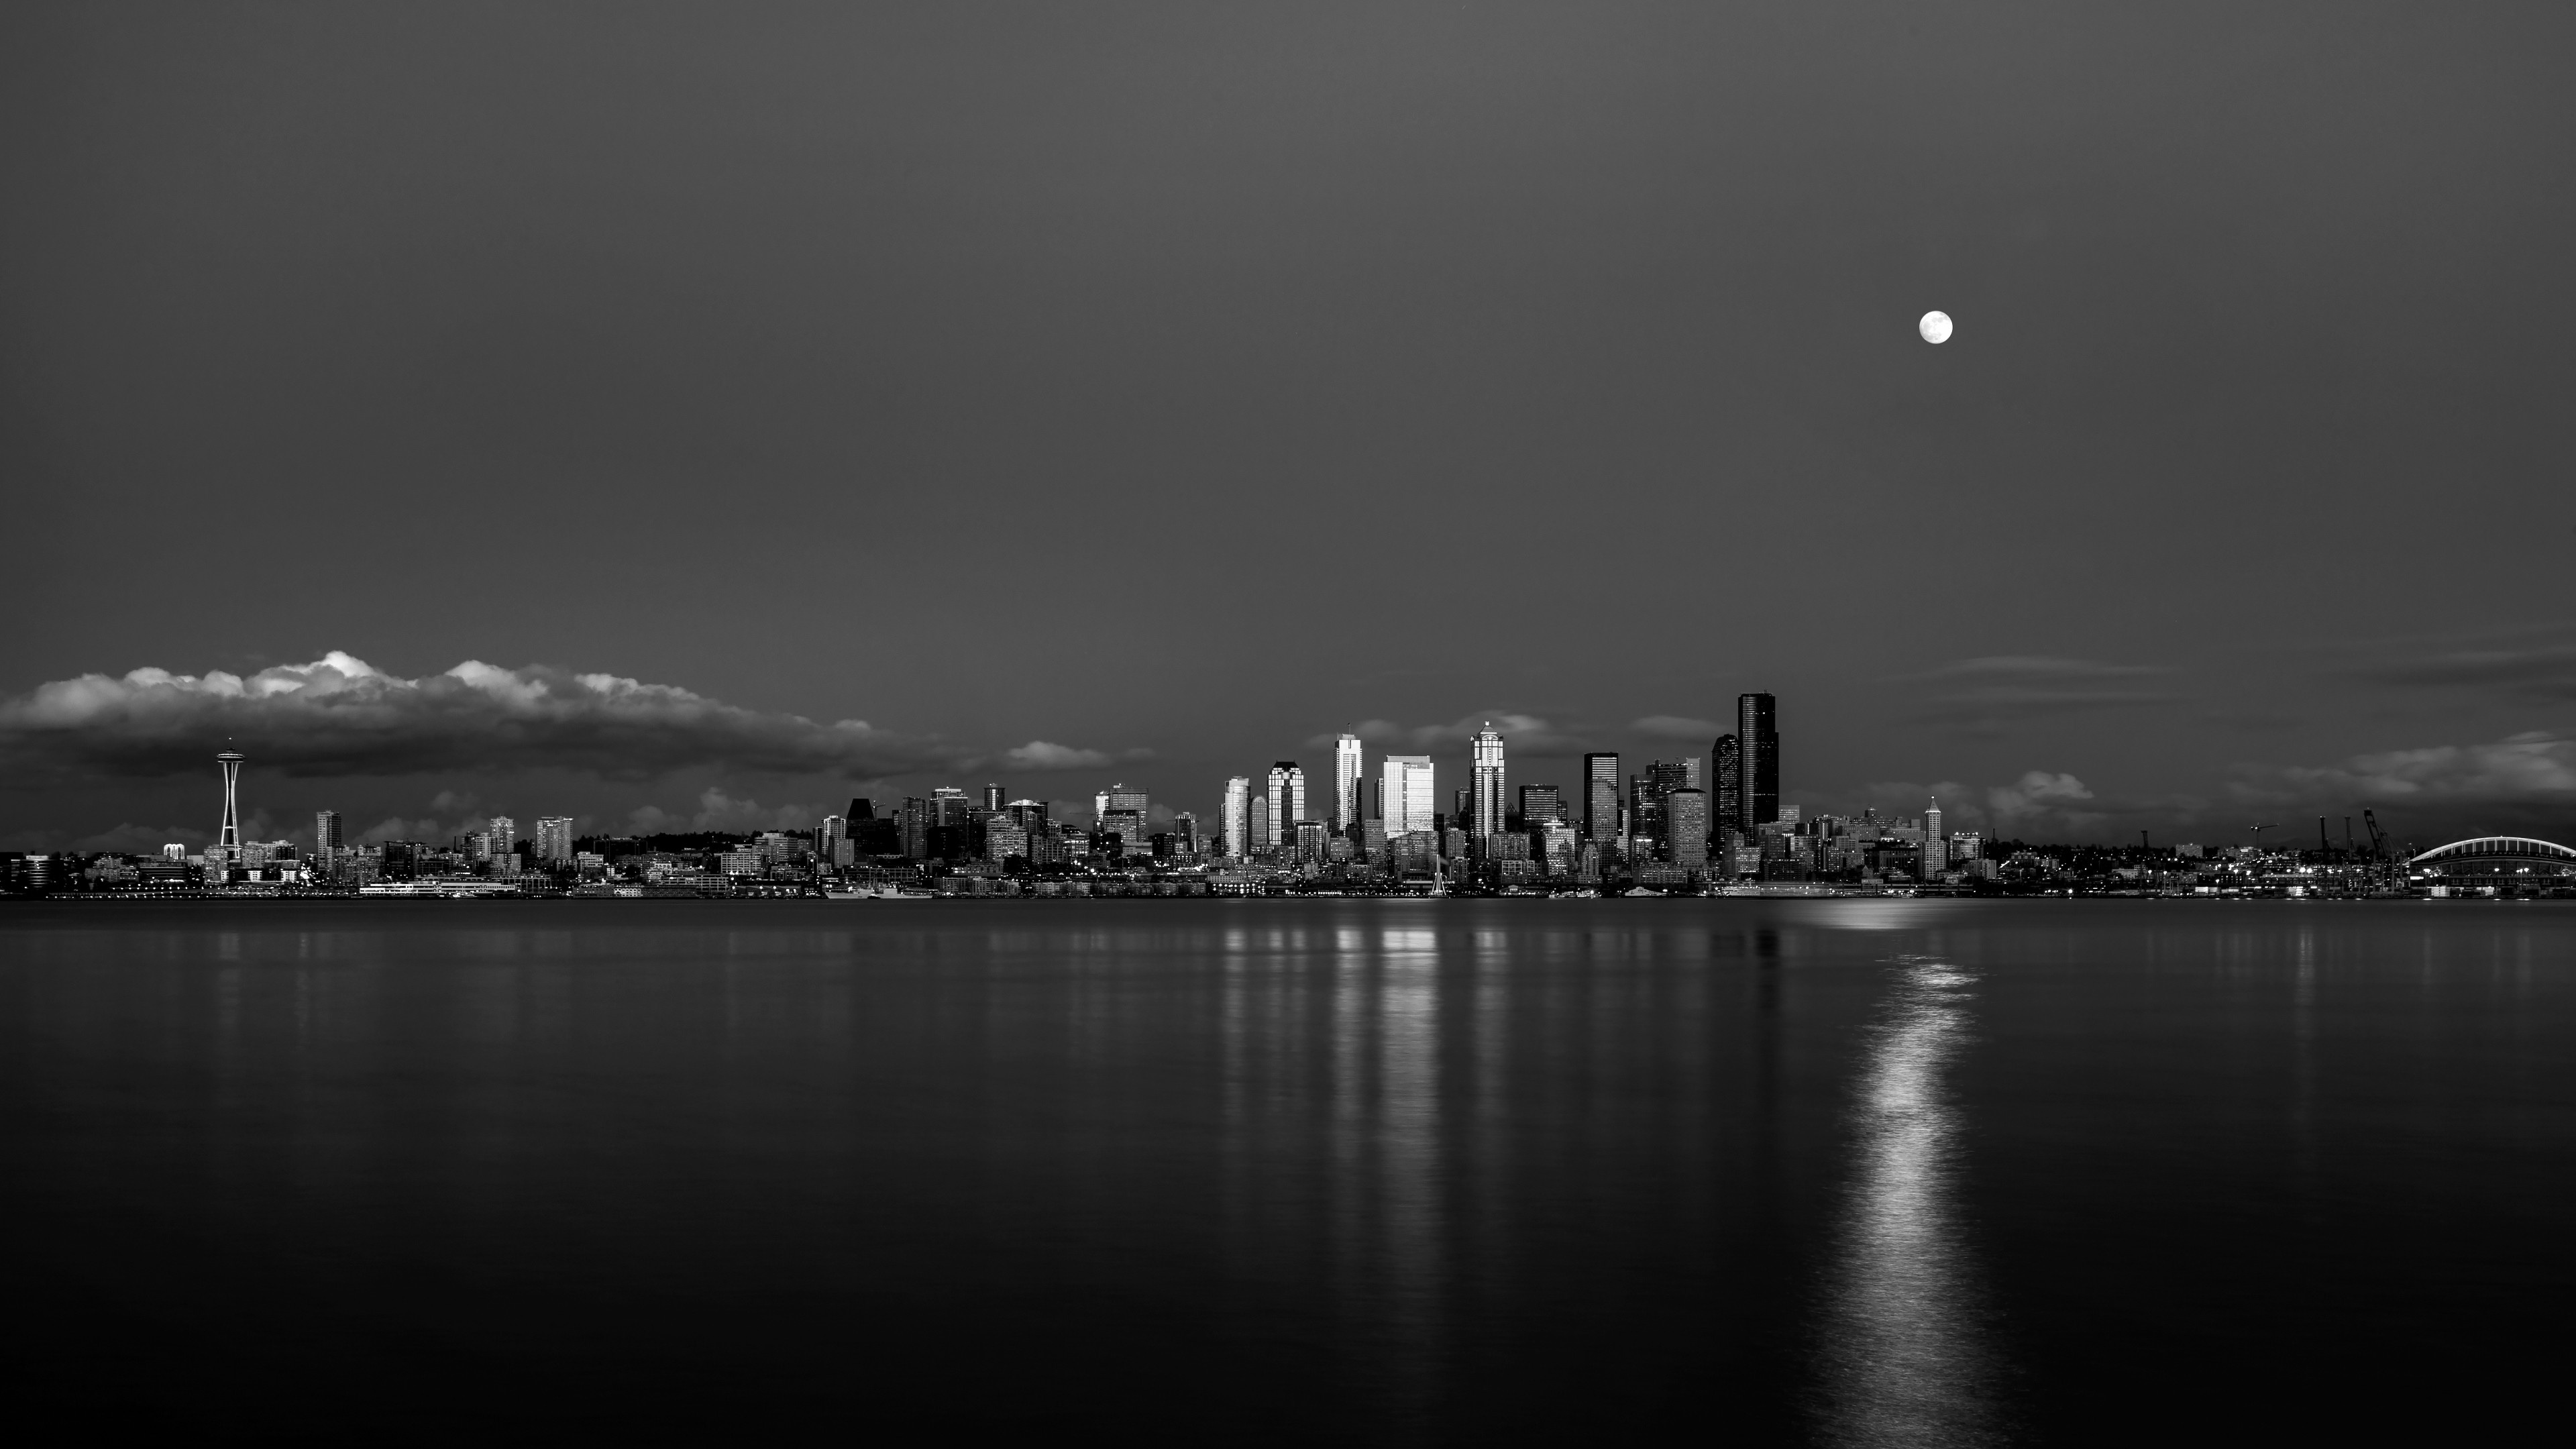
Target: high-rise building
[[1757, 727], [1129, 827], [1601, 797], [1686, 827], [1407, 794], [1127, 799], [1309, 838], [326, 834], [1262, 829], [1540, 804], [1726, 772], [1932, 820], [1348, 761], [1287, 800], [1028, 815], [1185, 833], [912, 822], [1485, 778], [993, 799], [554, 838], [862, 808], [947, 807], [1237, 824], [505, 835], [1647, 791]]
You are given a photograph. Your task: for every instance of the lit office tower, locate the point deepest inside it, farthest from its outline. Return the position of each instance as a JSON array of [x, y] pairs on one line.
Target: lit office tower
[[993, 800], [228, 835], [1647, 791], [1726, 774], [1261, 828], [1405, 794], [1125, 800], [505, 835], [1485, 809], [1932, 820], [1346, 783], [327, 836], [1238, 817], [1539, 804], [554, 837], [1686, 826], [1601, 798], [1757, 725], [1287, 801]]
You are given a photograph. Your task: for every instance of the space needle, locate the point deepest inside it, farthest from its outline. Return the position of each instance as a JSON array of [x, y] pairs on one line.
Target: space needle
[[228, 838]]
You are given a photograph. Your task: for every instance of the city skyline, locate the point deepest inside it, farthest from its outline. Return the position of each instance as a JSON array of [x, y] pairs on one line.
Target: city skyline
[[466, 770]]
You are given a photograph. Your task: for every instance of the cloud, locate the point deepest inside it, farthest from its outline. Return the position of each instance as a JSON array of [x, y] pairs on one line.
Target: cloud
[[1383, 733], [2040, 800], [1992, 690], [719, 811], [1041, 755], [340, 716], [1526, 734], [2533, 768], [2547, 672], [1678, 727]]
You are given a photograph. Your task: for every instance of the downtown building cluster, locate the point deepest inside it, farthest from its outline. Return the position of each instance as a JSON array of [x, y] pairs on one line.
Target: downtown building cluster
[[1693, 822]]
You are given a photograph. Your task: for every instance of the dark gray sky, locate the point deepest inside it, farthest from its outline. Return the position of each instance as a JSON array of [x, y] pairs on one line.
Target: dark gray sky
[[1198, 380]]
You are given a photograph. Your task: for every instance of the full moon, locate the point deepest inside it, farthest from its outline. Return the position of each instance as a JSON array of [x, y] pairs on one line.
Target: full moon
[[1935, 327]]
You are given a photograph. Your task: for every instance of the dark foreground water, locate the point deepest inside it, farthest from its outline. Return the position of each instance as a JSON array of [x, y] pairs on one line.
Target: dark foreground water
[[1361, 1171]]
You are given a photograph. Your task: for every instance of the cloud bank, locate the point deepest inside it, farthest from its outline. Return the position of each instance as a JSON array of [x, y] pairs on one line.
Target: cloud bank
[[2534, 768], [1992, 691], [340, 716]]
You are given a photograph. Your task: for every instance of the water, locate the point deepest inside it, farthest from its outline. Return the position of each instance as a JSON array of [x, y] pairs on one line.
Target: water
[[1332, 1171]]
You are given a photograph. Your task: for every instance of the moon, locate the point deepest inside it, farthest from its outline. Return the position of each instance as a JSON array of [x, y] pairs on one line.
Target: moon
[[1935, 327]]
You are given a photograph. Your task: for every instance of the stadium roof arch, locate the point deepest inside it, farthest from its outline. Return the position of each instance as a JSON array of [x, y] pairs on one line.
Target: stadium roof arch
[[2496, 847]]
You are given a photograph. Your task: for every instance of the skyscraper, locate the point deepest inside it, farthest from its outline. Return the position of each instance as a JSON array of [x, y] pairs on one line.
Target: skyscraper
[[1647, 791], [1287, 800], [993, 799], [1407, 794], [1726, 772], [1262, 828], [1686, 827], [1237, 824], [1757, 726], [1125, 799], [1485, 780], [1540, 804], [1347, 768], [1601, 797], [554, 838], [505, 835], [326, 834]]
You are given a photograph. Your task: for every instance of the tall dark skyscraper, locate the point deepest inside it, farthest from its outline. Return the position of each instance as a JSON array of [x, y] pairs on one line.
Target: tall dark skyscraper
[[1726, 778], [1757, 728], [1601, 797]]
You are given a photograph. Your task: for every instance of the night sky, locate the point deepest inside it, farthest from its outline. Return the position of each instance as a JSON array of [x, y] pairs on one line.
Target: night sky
[[1151, 390]]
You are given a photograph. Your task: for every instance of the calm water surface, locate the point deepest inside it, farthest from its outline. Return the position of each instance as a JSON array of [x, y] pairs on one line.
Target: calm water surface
[[1330, 1171]]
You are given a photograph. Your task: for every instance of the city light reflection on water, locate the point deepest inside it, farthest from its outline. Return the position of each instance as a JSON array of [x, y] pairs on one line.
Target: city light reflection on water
[[1903, 1356]]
